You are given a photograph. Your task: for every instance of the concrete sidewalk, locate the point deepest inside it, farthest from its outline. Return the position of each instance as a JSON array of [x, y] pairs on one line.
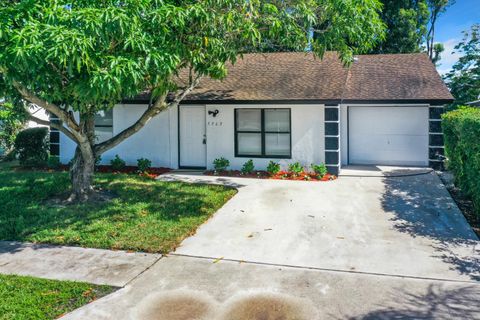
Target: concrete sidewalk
[[115, 268], [181, 288]]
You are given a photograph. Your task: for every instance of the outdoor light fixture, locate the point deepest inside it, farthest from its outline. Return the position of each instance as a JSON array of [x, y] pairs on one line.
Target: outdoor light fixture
[[213, 112]]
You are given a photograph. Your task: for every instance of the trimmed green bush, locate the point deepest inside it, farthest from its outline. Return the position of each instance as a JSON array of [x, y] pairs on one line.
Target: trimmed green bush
[[461, 130], [295, 168], [143, 164], [320, 169], [221, 164], [273, 168], [53, 162], [248, 167], [31, 146], [117, 163]]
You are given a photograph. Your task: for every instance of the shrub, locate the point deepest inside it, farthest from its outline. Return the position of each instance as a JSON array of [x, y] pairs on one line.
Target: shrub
[[143, 164], [53, 162], [461, 133], [221, 164], [31, 146], [117, 163], [320, 169], [248, 167], [273, 168], [295, 168]]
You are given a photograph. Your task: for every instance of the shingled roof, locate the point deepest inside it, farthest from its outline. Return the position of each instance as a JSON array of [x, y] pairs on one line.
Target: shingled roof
[[302, 77]]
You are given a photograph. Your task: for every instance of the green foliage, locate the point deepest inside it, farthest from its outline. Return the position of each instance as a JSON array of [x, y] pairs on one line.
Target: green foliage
[[320, 169], [248, 167], [406, 22], [143, 164], [90, 52], [145, 215], [25, 298], [53, 162], [31, 146], [117, 163], [295, 168], [464, 78], [461, 131], [221, 164], [273, 167], [11, 123]]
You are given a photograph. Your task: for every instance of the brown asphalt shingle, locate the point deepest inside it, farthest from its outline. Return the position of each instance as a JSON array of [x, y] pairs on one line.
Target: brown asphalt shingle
[[395, 77], [298, 76]]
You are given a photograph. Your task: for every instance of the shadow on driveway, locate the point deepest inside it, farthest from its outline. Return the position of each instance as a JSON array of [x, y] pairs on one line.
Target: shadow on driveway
[[422, 207], [436, 303]]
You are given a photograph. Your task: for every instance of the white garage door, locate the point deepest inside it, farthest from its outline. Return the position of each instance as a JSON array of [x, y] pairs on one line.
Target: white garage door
[[388, 135]]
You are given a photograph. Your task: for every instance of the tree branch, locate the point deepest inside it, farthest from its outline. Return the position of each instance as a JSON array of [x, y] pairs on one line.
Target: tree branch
[[153, 110], [57, 126], [50, 107]]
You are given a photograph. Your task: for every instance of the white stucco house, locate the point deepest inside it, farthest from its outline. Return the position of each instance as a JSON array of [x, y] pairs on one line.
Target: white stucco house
[[383, 109]]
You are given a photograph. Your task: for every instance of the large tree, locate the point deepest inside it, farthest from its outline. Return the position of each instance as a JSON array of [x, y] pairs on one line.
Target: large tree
[[464, 78], [436, 9], [406, 22], [74, 59]]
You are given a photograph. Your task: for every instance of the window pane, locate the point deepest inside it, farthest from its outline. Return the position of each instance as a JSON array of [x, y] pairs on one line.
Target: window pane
[[103, 133], [277, 120], [104, 118], [250, 144], [277, 144], [249, 120]]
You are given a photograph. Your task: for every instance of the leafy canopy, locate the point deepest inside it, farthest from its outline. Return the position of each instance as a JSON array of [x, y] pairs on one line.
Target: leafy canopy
[[464, 78], [91, 54]]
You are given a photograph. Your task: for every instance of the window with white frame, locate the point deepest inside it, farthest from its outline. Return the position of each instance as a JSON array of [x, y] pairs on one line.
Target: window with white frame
[[263, 133], [104, 125]]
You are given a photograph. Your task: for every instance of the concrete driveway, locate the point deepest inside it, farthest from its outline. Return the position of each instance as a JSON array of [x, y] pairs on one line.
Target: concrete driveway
[[355, 248], [402, 226]]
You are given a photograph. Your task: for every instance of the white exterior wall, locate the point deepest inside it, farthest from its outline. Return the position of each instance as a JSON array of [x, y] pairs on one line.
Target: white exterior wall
[[307, 130], [157, 141]]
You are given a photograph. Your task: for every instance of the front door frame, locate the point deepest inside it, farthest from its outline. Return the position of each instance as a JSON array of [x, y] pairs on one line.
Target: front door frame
[[179, 143]]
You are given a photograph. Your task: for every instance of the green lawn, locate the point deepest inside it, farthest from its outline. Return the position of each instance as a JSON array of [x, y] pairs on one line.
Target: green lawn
[[145, 215], [32, 298]]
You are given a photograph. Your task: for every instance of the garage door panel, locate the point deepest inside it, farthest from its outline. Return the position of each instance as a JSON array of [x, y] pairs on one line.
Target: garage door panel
[[388, 135]]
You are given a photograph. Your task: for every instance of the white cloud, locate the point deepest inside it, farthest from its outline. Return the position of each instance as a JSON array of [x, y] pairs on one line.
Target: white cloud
[[448, 57]]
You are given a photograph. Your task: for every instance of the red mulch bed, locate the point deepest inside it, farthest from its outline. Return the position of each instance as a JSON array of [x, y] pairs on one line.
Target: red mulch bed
[[151, 172], [282, 175]]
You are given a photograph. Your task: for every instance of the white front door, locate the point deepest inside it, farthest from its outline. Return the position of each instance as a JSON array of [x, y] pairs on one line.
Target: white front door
[[193, 148], [388, 135]]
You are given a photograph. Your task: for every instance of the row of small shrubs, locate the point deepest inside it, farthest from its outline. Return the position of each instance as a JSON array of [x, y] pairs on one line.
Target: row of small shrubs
[[118, 164], [296, 169], [461, 129]]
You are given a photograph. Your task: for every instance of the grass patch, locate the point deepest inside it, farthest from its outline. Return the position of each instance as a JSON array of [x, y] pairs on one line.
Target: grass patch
[[33, 298], [145, 215]]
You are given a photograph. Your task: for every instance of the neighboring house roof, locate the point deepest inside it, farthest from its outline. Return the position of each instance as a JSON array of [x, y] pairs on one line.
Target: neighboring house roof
[[302, 77]]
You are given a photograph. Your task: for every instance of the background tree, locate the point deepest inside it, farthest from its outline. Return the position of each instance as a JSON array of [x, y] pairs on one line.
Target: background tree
[[464, 78], [12, 121], [406, 22], [75, 60], [436, 8]]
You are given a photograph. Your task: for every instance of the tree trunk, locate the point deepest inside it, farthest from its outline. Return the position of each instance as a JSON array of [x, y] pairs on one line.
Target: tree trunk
[[82, 173]]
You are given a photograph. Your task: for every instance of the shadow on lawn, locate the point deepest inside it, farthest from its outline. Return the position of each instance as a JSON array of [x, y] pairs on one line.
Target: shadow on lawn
[[26, 215], [422, 207], [436, 303]]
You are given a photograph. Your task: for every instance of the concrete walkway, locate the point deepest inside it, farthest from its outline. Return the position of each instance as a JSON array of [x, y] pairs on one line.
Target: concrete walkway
[[115, 268], [402, 226]]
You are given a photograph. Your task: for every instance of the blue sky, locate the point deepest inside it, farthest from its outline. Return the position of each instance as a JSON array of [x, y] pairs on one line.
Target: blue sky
[[459, 17]]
